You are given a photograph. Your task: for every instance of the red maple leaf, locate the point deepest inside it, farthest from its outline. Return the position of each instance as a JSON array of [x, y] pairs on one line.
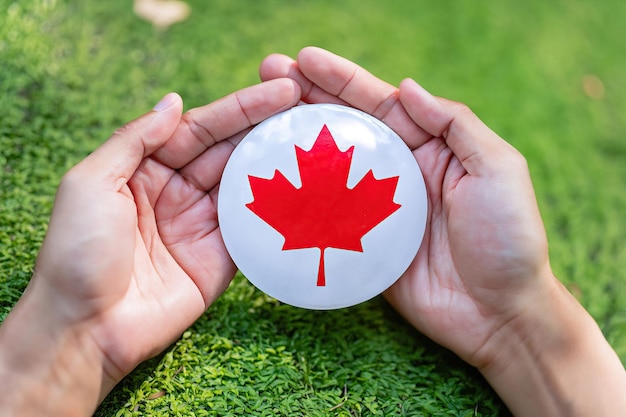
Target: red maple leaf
[[323, 212]]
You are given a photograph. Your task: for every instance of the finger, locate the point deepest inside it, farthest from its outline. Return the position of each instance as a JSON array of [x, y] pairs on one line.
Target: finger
[[282, 66], [346, 80], [477, 147], [360, 89], [205, 172], [332, 79], [203, 127], [118, 158]]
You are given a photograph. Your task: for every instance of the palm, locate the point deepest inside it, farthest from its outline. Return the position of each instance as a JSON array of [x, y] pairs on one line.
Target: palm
[[187, 229], [133, 244], [181, 264], [452, 291], [484, 236]]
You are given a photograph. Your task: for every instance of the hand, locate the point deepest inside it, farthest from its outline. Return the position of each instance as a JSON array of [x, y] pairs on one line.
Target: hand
[[133, 254], [485, 243], [481, 283]]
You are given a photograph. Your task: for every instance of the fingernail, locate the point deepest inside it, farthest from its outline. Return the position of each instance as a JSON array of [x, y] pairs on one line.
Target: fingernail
[[166, 102]]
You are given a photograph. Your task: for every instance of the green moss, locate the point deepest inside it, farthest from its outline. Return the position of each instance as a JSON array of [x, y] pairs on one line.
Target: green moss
[[250, 355], [72, 72]]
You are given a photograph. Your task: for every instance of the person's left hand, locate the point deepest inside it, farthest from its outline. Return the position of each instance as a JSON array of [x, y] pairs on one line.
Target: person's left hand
[[133, 254]]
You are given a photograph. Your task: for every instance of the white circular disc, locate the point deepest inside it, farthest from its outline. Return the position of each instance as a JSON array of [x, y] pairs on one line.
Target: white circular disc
[[306, 221]]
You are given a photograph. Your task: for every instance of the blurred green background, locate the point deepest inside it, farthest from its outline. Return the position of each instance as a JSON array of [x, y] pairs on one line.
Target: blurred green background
[[547, 76]]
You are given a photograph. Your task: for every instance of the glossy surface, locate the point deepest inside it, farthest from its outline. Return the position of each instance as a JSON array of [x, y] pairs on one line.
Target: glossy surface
[[322, 206]]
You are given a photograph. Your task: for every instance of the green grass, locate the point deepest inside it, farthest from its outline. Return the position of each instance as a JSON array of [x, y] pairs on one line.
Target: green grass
[[249, 355], [71, 72]]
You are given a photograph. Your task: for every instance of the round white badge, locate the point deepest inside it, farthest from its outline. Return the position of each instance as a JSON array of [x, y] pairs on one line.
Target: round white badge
[[322, 206]]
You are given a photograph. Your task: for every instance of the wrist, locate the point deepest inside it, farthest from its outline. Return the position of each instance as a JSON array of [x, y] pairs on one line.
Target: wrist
[[54, 368], [552, 359]]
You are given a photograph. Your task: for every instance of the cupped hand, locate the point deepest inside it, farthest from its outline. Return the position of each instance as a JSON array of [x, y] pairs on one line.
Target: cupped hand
[[484, 254], [134, 248]]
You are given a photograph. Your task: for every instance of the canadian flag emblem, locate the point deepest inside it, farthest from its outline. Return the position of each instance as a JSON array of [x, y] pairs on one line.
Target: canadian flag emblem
[[322, 206]]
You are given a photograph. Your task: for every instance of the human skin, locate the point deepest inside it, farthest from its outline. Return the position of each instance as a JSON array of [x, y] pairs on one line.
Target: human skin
[[481, 283], [133, 253], [132, 256]]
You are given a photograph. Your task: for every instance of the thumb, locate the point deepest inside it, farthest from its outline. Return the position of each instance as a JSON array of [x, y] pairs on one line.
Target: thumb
[[119, 157]]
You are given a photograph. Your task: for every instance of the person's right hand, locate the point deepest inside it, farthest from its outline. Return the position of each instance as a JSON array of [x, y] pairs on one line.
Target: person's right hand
[[481, 283], [484, 260], [484, 251]]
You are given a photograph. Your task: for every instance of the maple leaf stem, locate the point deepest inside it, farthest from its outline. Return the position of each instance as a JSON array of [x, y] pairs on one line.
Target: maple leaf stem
[[321, 274]]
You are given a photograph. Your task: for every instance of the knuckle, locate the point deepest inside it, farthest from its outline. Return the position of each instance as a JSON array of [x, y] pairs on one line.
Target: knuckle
[[516, 161], [128, 129], [521, 161], [71, 179], [197, 129], [462, 109]]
